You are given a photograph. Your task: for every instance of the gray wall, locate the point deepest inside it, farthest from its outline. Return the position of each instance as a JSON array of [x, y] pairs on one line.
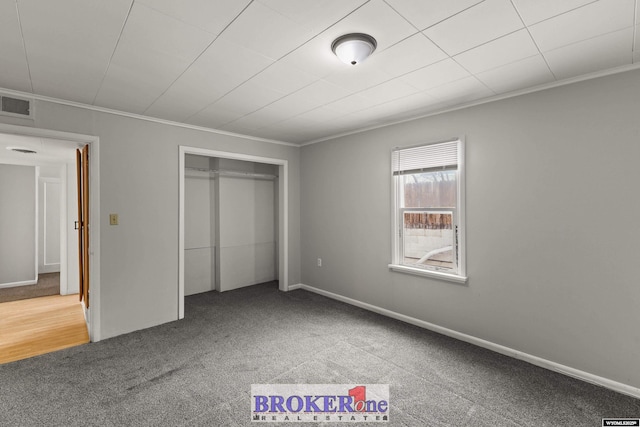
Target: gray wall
[[139, 181], [17, 224], [552, 233]]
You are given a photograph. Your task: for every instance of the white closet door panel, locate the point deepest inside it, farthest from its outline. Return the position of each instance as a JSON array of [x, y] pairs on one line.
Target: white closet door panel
[[247, 265], [197, 202], [246, 211], [199, 266]]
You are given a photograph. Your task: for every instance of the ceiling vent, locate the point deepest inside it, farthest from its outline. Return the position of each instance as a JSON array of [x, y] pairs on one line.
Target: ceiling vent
[[16, 107]]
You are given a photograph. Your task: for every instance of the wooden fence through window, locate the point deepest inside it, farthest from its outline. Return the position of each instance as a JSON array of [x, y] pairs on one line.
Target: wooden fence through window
[[429, 221]]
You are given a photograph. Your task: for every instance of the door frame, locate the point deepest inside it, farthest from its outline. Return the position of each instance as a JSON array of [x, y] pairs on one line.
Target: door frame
[[92, 315], [283, 209]]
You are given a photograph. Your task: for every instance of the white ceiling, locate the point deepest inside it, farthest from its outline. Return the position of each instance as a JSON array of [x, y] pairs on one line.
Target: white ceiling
[[265, 67]]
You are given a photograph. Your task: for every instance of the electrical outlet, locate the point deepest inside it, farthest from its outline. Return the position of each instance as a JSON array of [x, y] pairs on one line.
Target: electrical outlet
[[319, 262], [113, 219]]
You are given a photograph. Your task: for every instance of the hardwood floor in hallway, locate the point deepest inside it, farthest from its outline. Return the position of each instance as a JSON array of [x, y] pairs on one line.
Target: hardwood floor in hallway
[[40, 325]]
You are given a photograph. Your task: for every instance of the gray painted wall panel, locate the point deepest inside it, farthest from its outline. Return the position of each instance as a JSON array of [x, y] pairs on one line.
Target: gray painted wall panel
[[139, 181], [17, 223], [552, 235]]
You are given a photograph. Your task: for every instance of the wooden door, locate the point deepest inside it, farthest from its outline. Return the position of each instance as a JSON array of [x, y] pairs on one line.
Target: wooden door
[[82, 174]]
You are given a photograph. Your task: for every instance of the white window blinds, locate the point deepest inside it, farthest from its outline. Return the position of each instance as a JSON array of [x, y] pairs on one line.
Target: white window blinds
[[425, 158]]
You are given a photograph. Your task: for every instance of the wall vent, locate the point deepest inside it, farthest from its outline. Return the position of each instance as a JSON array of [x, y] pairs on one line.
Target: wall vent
[[16, 107]]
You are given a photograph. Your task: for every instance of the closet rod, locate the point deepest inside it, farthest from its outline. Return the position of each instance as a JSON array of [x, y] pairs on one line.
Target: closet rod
[[236, 174]]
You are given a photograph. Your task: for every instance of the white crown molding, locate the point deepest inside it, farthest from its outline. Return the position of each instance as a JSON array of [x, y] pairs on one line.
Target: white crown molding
[[516, 354], [495, 98], [141, 117], [508, 95]]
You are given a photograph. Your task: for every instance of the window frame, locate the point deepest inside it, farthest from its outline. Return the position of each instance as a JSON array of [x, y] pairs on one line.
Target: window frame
[[397, 212]]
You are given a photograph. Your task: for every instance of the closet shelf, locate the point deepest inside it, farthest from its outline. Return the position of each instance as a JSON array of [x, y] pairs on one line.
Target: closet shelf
[[233, 174]]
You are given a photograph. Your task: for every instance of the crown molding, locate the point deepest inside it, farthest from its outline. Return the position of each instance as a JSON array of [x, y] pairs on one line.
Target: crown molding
[[495, 98], [140, 117]]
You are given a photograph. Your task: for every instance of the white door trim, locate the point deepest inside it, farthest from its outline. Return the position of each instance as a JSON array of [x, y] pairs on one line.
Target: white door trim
[[93, 314]]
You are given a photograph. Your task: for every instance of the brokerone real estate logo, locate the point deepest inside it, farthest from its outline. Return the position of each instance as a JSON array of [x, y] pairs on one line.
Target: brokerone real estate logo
[[319, 403]]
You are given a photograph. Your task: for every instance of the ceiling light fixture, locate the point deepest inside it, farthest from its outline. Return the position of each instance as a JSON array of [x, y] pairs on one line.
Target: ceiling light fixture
[[353, 48], [21, 150]]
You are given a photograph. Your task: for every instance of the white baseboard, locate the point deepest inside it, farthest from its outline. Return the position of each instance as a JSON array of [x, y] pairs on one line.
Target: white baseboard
[[534, 360], [16, 284], [294, 287]]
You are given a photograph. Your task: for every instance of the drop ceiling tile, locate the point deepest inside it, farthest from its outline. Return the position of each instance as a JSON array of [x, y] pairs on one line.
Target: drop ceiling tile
[[154, 50], [522, 74], [13, 60], [424, 14], [314, 58], [367, 118], [461, 91], [256, 120], [264, 30], [408, 55], [149, 30], [589, 21], [419, 108], [211, 16], [355, 79], [70, 38], [278, 133], [226, 74], [535, 11], [301, 123], [344, 123], [213, 116], [313, 96], [349, 104], [599, 53], [405, 106], [248, 97], [479, 24], [435, 75], [284, 77], [377, 19], [388, 91], [317, 15], [320, 114], [192, 92], [496, 53], [209, 78]]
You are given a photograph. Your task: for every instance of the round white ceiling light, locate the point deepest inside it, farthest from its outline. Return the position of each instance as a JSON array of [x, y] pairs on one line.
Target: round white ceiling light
[[354, 48], [21, 150]]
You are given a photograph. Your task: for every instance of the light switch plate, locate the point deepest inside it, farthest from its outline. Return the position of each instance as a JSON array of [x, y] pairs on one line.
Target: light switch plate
[[113, 219]]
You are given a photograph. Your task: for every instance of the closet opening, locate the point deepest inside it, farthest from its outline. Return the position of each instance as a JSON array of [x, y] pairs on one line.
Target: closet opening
[[233, 228]]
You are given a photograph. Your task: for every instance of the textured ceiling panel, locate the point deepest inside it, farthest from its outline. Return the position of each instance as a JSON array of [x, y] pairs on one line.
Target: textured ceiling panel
[[265, 67]]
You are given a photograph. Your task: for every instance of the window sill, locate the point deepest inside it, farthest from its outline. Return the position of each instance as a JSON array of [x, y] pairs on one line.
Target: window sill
[[428, 273]]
